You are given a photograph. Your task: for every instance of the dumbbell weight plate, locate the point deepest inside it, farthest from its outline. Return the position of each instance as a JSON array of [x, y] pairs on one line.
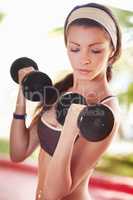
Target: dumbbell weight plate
[[20, 63], [64, 103], [95, 122], [36, 91]]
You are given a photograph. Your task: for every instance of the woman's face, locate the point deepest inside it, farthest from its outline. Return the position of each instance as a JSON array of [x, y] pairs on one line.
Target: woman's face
[[88, 50]]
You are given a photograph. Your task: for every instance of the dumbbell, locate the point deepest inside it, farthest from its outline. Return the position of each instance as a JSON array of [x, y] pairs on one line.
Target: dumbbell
[[94, 121], [63, 104], [36, 85]]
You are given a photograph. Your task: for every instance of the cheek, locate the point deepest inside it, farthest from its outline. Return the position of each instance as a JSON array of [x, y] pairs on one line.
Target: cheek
[[100, 63], [101, 59], [73, 58]]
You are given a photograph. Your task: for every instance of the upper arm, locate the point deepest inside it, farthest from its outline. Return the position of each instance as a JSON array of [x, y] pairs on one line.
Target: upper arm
[[33, 139], [86, 154]]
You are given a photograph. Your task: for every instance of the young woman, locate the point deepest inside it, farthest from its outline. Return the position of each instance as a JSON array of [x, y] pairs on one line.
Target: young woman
[[66, 162]]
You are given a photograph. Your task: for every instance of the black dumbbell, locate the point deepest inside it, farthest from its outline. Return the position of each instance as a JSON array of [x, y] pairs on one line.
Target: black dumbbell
[[64, 102], [94, 121], [37, 86]]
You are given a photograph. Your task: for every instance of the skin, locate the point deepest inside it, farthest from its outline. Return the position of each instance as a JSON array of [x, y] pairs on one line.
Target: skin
[[88, 48]]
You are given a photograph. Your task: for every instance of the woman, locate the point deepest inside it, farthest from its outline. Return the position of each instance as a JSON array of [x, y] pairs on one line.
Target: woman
[[66, 159]]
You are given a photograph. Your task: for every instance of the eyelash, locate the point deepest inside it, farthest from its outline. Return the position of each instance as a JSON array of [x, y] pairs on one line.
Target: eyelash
[[93, 51], [74, 50], [98, 51]]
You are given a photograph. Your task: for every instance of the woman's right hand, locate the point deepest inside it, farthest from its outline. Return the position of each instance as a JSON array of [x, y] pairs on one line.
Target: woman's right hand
[[23, 72]]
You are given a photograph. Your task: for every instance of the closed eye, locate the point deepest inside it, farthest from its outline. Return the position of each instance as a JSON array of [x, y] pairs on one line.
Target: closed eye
[[96, 51], [74, 50]]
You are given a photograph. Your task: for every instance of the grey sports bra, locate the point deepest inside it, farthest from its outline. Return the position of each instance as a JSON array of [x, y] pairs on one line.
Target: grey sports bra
[[49, 135]]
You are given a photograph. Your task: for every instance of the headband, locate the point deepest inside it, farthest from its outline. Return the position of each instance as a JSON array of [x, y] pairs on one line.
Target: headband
[[97, 15]]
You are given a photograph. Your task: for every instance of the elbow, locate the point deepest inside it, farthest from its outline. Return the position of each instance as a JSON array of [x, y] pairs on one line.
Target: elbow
[[15, 158], [17, 155]]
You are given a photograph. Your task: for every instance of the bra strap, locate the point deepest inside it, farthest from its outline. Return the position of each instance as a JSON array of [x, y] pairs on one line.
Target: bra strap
[[107, 98]]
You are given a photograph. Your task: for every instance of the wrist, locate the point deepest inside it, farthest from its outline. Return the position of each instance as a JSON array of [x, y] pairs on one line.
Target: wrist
[[19, 116]]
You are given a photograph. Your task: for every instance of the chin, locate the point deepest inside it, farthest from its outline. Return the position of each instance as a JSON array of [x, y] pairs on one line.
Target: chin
[[85, 76]]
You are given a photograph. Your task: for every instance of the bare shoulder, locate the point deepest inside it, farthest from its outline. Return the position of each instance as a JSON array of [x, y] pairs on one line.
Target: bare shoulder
[[113, 105]]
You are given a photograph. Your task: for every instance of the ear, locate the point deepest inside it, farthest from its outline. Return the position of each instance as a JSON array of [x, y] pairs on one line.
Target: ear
[[110, 60]]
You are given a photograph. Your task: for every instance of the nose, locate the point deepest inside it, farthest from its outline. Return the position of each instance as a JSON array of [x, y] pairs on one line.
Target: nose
[[85, 58]]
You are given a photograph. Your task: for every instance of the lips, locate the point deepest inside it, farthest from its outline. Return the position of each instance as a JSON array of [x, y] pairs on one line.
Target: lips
[[84, 70]]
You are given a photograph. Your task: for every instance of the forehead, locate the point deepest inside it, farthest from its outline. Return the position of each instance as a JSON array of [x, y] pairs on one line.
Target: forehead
[[86, 34]]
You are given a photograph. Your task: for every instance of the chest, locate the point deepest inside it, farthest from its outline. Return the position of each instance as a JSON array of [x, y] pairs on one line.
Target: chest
[[49, 117]]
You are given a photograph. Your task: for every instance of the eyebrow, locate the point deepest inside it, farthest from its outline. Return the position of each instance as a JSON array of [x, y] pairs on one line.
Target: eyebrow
[[96, 43]]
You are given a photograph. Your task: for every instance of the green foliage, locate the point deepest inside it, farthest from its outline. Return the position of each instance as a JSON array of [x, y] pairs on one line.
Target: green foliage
[[2, 15], [4, 146], [4, 149], [127, 97], [116, 164], [124, 17], [58, 29]]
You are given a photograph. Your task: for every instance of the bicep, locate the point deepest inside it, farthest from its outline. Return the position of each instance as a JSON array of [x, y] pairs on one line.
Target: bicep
[[84, 159], [86, 154]]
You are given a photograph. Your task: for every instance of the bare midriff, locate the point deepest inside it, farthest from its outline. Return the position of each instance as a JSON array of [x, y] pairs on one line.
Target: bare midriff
[[80, 193]]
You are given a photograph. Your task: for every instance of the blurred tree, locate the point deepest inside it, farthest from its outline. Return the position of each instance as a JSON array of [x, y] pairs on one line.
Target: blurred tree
[[125, 17], [1, 16], [127, 96]]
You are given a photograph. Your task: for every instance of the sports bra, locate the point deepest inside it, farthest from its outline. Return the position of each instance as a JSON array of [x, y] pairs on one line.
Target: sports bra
[[49, 135]]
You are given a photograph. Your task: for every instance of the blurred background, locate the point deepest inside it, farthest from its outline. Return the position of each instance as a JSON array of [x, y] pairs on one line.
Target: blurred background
[[34, 29]]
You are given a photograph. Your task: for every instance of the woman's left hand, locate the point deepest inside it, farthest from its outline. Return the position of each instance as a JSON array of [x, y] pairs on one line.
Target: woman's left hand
[[71, 119]]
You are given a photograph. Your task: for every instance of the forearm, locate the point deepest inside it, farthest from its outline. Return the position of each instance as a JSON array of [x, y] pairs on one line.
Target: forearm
[[18, 130], [58, 180]]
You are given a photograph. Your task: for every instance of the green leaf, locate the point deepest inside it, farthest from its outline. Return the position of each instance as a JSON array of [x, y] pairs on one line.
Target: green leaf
[[2, 15]]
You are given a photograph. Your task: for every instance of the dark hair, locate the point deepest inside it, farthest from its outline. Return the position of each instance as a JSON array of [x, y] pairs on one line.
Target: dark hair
[[64, 84], [92, 23]]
